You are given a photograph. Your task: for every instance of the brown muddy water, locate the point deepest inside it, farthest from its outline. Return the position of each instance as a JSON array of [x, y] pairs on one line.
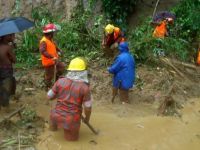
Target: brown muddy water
[[133, 127]]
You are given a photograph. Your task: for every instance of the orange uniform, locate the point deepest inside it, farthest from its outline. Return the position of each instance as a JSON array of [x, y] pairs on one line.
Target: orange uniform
[[161, 30], [51, 49], [115, 37]]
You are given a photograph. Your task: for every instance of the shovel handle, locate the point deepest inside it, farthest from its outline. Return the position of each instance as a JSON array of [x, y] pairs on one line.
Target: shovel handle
[[89, 126], [54, 75]]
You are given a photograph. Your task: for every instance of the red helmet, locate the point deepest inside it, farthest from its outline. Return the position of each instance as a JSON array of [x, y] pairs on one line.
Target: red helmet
[[49, 28]]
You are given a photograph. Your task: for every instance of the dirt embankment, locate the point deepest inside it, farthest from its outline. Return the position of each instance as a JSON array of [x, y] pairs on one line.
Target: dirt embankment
[[146, 8], [24, 7], [166, 80]]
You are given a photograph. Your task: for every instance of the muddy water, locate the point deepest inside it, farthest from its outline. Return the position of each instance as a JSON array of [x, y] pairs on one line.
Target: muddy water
[[134, 127]]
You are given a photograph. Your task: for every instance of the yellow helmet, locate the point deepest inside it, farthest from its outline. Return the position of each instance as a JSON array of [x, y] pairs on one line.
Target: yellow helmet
[[77, 64], [109, 29]]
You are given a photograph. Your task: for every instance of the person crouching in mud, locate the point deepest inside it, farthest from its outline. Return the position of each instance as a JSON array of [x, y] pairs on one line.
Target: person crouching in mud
[[123, 70], [72, 92], [7, 59]]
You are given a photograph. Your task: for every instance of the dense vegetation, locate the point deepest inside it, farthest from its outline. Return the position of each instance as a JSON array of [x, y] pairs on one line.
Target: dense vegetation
[[78, 37], [181, 43], [118, 10], [81, 36]]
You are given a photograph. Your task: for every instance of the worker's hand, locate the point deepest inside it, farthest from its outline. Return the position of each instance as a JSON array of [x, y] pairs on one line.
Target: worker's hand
[[103, 45], [114, 46], [54, 58], [86, 120], [59, 53]]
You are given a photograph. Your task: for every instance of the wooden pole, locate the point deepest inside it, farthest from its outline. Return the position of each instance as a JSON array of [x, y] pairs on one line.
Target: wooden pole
[[13, 113], [90, 126], [155, 8]]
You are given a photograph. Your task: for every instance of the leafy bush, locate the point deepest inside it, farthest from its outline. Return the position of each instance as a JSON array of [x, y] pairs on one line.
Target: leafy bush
[[118, 10], [188, 19]]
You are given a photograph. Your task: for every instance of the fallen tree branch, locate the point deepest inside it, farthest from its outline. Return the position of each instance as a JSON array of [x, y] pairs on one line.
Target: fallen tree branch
[[13, 113], [168, 99], [192, 66], [169, 63]]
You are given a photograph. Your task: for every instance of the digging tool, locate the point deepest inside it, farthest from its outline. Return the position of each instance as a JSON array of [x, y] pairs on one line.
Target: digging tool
[[54, 80], [155, 8], [54, 75], [90, 126]]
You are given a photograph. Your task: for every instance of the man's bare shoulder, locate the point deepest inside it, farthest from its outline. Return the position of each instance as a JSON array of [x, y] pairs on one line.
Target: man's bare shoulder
[[5, 47]]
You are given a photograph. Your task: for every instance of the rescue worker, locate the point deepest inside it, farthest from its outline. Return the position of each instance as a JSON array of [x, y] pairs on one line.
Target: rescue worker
[[50, 55], [7, 59], [72, 92], [123, 70], [161, 28], [112, 37]]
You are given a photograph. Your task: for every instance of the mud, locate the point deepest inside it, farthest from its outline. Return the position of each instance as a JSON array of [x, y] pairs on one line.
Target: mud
[[127, 127], [136, 129], [131, 127]]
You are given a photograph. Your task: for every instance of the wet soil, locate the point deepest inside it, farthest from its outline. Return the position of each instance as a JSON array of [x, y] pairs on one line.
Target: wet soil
[[131, 127]]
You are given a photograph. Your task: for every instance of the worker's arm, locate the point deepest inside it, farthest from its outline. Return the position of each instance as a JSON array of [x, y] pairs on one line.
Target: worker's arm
[[115, 68], [43, 50], [52, 93], [60, 52], [11, 54], [103, 44], [167, 34], [87, 104], [87, 112]]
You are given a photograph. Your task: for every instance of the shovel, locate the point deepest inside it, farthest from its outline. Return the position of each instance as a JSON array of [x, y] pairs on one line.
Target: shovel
[[54, 75], [90, 126]]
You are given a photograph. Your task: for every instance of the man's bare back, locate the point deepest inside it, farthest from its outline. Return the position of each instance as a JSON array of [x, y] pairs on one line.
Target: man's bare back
[[7, 56]]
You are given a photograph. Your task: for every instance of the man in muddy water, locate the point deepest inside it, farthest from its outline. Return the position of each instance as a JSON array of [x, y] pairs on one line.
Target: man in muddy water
[[7, 59], [72, 92], [49, 54]]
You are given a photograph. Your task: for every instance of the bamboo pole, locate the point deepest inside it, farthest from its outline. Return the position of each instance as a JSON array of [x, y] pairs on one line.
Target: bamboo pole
[[90, 126], [155, 8]]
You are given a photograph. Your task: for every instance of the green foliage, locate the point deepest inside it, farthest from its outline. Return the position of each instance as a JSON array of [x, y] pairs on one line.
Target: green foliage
[[27, 50], [179, 43], [28, 115], [188, 19], [118, 10], [78, 37]]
